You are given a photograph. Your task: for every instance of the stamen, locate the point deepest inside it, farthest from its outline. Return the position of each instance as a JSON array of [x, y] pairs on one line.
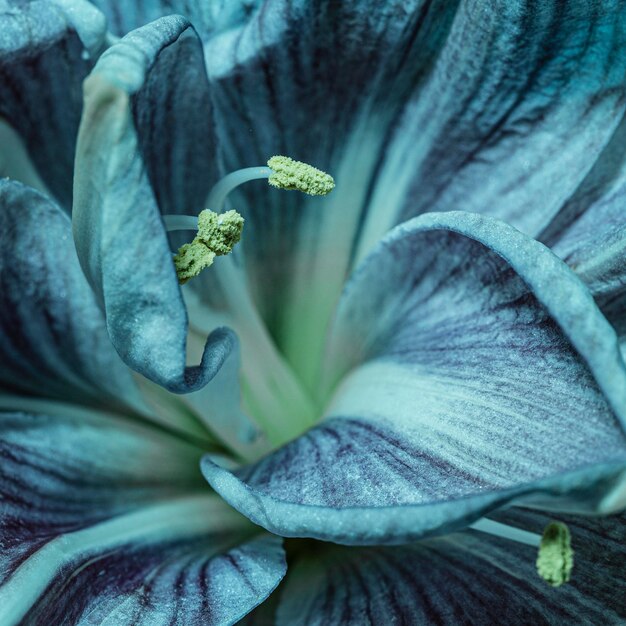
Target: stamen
[[290, 174], [283, 173], [217, 236], [507, 532], [556, 557]]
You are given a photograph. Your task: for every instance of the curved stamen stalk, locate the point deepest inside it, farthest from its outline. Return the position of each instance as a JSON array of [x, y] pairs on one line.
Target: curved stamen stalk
[[282, 407], [555, 557], [217, 196]]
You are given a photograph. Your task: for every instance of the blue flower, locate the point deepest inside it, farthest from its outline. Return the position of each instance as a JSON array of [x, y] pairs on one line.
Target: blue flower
[[382, 370]]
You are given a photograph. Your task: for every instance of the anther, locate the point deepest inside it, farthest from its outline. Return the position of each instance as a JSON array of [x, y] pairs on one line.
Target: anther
[[555, 559], [217, 235], [290, 174]]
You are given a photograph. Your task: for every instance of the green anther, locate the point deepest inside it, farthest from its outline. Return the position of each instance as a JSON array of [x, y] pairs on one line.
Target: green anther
[[217, 235], [290, 174], [556, 557]]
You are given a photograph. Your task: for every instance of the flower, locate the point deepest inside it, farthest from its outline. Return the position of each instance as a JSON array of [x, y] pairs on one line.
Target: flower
[[461, 369]]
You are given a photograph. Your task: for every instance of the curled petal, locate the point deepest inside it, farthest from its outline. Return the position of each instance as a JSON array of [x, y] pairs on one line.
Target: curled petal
[[142, 148], [471, 367]]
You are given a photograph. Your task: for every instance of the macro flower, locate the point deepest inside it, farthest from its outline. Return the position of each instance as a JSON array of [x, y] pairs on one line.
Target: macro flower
[[371, 408]]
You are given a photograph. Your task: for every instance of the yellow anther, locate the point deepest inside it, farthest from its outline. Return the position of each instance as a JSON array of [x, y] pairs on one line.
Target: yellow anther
[[217, 235], [290, 174], [556, 557]]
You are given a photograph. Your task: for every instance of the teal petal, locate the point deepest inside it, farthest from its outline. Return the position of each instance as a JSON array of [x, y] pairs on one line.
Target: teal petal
[[53, 341], [470, 366], [464, 578], [68, 470], [206, 17], [589, 232], [106, 519], [322, 83], [438, 106], [519, 105], [147, 105], [47, 47]]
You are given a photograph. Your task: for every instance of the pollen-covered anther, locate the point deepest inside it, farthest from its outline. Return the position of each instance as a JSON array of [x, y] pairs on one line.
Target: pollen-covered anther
[[290, 174], [217, 235], [556, 557]]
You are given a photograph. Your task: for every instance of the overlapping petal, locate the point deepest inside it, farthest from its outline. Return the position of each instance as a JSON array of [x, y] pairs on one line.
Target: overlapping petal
[[322, 83], [465, 578], [428, 106], [147, 119], [206, 17], [589, 232], [53, 341], [478, 369], [106, 519], [46, 50]]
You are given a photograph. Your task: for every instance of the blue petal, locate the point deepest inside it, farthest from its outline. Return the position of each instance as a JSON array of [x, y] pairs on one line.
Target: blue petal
[[470, 366], [68, 470], [323, 84], [589, 232], [46, 50], [147, 119], [102, 517], [437, 106], [207, 17], [53, 341], [465, 578]]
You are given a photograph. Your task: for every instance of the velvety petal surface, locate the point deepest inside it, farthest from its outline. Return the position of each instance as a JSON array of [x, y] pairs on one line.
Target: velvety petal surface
[[47, 47], [105, 520], [53, 341], [413, 107], [463, 578], [590, 231], [145, 146], [470, 366]]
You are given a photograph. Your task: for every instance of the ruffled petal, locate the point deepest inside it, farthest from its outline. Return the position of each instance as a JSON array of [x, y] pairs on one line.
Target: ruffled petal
[[53, 341], [474, 368], [104, 519], [147, 119], [46, 50], [465, 578]]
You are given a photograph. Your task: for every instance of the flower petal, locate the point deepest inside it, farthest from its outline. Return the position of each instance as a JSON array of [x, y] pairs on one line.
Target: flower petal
[[53, 341], [589, 232], [147, 104], [518, 107], [70, 469], [46, 50], [478, 370], [438, 106], [465, 578], [103, 518], [205, 16]]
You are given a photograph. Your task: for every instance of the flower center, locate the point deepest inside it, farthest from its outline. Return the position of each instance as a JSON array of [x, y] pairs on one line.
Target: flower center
[[272, 394]]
